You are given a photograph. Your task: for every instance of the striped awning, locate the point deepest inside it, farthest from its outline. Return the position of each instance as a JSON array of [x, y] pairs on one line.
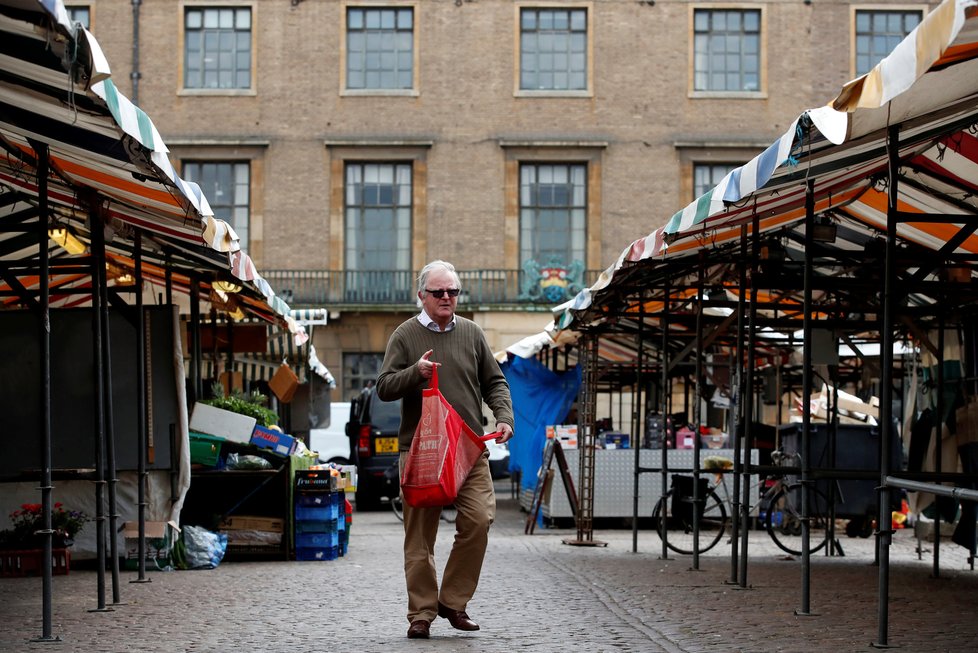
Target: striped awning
[[105, 154], [928, 86]]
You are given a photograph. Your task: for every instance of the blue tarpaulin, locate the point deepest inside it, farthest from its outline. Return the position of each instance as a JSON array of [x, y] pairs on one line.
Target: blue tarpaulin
[[540, 398]]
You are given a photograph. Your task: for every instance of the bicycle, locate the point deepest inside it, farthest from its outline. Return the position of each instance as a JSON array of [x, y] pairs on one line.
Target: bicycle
[[779, 508]]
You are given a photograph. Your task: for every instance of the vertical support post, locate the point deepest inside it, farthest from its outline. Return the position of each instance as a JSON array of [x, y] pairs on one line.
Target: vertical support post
[[194, 332], [141, 405], [884, 532], [109, 432], [698, 501], [747, 387], [737, 427], [665, 399], [44, 409], [98, 360], [168, 277], [806, 393], [637, 420], [938, 434]]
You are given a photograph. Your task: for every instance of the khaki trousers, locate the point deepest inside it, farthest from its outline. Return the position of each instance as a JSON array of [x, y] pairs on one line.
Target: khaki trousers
[[476, 505]]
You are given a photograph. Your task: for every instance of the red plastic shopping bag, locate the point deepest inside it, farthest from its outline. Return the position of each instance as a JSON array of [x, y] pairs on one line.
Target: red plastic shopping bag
[[442, 454]]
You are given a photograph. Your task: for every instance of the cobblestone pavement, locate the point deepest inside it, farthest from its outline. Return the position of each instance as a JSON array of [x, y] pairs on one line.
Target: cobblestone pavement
[[537, 594]]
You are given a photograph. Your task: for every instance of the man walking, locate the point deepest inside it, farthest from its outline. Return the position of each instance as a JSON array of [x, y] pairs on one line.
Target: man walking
[[468, 376]]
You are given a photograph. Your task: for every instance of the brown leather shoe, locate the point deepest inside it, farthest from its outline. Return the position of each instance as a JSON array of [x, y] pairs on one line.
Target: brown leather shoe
[[458, 618], [419, 629]]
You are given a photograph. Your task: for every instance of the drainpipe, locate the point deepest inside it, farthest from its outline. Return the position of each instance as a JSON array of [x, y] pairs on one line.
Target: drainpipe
[[135, 74]]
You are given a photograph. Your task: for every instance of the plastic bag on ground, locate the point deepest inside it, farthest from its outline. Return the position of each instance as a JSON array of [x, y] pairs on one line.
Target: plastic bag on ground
[[203, 549]]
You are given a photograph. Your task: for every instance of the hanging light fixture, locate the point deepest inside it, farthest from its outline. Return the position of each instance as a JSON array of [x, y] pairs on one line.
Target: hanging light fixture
[[823, 230], [66, 240]]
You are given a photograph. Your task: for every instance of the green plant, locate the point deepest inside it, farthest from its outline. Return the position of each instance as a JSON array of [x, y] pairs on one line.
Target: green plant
[[253, 405], [29, 519]]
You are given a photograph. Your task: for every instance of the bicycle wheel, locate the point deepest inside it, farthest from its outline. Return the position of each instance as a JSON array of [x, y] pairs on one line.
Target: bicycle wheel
[[397, 507], [676, 527], [783, 519]]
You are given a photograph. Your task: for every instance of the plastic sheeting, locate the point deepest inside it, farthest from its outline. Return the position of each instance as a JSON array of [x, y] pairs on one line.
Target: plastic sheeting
[[540, 397]]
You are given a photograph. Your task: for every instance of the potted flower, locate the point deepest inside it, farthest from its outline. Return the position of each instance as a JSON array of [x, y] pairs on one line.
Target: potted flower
[[29, 519]]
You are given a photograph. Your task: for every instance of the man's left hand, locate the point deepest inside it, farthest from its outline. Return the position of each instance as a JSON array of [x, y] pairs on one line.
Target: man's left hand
[[505, 432]]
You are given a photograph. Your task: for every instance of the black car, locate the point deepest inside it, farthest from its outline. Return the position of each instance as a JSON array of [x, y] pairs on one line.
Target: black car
[[372, 430]]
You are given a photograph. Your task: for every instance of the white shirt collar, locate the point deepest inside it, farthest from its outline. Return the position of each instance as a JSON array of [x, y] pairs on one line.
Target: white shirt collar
[[430, 324]]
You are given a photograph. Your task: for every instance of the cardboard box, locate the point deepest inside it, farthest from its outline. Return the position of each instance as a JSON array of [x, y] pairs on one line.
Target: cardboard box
[[565, 433], [253, 523], [278, 442], [153, 529], [222, 423], [284, 383]]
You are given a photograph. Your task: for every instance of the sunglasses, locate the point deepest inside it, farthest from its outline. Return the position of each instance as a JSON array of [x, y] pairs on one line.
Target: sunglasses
[[452, 292]]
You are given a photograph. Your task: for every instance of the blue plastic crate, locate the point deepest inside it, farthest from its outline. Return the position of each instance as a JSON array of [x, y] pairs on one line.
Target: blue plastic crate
[[316, 540], [321, 499], [323, 553], [316, 526], [313, 513]]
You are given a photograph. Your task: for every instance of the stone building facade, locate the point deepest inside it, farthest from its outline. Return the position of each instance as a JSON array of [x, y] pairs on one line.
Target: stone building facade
[[617, 110]]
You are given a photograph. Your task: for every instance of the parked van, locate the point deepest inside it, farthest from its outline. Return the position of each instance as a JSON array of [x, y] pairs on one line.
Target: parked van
[[332, 443]]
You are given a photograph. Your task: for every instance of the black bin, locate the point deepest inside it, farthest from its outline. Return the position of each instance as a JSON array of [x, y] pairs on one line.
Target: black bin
[[857, 448]]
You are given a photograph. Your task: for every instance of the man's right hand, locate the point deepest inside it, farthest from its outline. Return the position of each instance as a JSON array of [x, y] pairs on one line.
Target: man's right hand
[[425, 366]]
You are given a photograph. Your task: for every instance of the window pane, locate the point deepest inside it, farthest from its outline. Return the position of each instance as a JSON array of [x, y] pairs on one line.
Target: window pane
[[226, 185], [219, 42], [878, 32], [378, 216], [553, 46], [726, 50], [707, 175], [380, 45], [553, 206]]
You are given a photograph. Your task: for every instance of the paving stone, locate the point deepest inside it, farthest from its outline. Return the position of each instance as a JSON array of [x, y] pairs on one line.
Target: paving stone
[[536, 594]]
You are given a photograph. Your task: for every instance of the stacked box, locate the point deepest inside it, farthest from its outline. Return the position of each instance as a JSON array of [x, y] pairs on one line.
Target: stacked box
[[317, 516]]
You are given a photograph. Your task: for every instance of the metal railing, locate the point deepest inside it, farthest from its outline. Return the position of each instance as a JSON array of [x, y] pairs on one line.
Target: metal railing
[[391, 287]]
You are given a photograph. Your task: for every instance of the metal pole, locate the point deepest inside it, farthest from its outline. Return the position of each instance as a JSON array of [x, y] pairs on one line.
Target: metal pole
[[141, 404], [747, 400], [666, 422], [110, 437], [44, 337], [737, 368], [884, 529], [193, 329], [806, 393], [637, 423], [135, 74], [98, 325], [938, 434], [698, 501]]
